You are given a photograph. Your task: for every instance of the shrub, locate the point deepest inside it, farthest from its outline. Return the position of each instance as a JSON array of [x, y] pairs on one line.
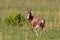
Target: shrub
[[14, 19]]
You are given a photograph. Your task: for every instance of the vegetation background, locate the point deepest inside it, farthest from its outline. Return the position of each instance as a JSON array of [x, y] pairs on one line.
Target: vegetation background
[[15, 26]]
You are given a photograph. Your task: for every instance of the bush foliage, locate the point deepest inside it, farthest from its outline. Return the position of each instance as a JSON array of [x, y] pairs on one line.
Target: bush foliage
[[13, 19]]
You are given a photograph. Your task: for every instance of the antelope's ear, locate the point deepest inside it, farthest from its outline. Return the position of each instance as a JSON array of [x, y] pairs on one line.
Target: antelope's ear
[[30, 10]]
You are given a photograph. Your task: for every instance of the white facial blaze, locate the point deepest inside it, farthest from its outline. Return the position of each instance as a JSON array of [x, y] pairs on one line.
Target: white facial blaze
[[27, 16]]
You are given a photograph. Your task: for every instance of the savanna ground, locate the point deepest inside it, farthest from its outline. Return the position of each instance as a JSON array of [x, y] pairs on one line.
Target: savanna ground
[[48, 9]]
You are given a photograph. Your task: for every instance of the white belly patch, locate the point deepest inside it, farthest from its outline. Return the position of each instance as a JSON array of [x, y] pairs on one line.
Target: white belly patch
[[37, 26]]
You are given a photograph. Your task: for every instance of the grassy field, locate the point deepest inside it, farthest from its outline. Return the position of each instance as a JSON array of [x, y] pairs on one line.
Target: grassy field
[[48, 9]]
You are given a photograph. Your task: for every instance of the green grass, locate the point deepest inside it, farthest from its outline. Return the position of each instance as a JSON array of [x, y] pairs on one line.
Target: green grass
[[22, 33], [48, 9]]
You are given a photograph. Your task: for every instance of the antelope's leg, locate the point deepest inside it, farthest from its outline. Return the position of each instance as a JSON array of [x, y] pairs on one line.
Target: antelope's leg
[[41, 31], [32, 29], [36, 30]]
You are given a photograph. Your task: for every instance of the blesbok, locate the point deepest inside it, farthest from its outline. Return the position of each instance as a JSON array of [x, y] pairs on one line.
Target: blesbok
[[36, 22]]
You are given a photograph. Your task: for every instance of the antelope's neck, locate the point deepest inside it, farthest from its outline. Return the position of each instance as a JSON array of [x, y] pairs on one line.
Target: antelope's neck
[[30, 18]]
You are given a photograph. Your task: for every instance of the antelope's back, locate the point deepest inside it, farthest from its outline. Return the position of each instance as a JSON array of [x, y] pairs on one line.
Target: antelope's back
[[36, 21]]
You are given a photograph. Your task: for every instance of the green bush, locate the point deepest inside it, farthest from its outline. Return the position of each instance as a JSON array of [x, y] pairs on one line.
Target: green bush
[[14, 19]]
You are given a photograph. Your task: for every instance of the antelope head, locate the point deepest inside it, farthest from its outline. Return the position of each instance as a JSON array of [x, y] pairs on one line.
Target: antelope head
[[29, 14]]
